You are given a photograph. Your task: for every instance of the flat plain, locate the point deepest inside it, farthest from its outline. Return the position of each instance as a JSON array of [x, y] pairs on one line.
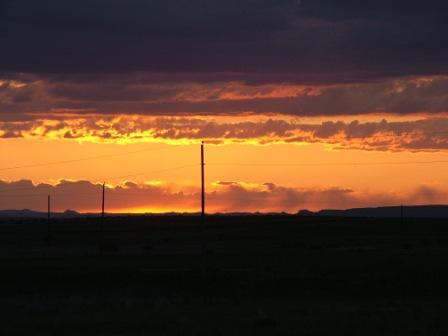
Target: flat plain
[[232, 275]]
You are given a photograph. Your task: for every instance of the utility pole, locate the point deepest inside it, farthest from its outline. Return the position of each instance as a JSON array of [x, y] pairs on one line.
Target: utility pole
[[48, 214], [102, 209], [48, 208], [402, 214], [202, 182], [102, 202]]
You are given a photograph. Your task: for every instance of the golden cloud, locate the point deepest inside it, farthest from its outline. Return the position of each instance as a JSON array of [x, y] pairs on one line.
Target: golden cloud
[[424, 134]]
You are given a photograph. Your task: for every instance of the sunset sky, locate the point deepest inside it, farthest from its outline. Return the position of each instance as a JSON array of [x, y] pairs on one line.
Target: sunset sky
[[302, 104]]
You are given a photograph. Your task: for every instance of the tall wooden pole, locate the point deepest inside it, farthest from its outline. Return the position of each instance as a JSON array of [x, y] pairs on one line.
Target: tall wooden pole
[[102, 202], [48, 215], [202, 182], [402, 214], [48, 208], [102, 211]]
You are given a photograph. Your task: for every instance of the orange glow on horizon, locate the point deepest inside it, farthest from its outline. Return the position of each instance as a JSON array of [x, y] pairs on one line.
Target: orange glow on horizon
[[256, 154]]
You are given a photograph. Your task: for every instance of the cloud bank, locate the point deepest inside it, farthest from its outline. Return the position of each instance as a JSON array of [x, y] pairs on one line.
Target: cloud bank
[[427, 134], [311, 40], [28, 96], [137, 70], [222, 196]]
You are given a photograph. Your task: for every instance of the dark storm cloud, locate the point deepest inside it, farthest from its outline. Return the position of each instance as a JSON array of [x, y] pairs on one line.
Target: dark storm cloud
[[332, 10], [133, 35], [210, 57], [256, 40], [140, 95]]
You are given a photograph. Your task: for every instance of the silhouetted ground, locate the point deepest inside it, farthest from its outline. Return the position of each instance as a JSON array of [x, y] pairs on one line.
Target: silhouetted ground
[[248, 275]]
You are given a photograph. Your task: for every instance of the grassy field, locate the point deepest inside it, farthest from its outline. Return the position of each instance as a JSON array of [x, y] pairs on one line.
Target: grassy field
[[239, 275]]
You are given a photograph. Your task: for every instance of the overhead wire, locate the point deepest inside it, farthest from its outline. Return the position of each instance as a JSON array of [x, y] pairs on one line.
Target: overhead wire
[[112, 178], [325, 164], [44, 164]]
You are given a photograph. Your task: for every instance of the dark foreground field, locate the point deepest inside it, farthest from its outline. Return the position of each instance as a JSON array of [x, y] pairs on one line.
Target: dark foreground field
[[254, 275]]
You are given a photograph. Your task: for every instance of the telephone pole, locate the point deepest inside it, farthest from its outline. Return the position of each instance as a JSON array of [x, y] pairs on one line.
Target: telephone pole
[[48, 215], [48, 208], [402, 214], [102, 210], [102, 202], [202, 182]]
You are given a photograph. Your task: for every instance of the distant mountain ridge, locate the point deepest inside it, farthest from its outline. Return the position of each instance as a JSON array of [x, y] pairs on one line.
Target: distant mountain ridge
[[26, 213], [415, 211]]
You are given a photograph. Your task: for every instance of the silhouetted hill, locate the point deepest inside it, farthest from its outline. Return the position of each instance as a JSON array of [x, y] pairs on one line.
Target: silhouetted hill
[[26, 213], [419, 211]]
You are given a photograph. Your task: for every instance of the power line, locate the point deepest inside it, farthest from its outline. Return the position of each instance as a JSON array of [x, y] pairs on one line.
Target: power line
[[228, 164], [19, 189], [328, 164], [347, 137], [43, 164], [24, 195], [150, 172], [112, 178]]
